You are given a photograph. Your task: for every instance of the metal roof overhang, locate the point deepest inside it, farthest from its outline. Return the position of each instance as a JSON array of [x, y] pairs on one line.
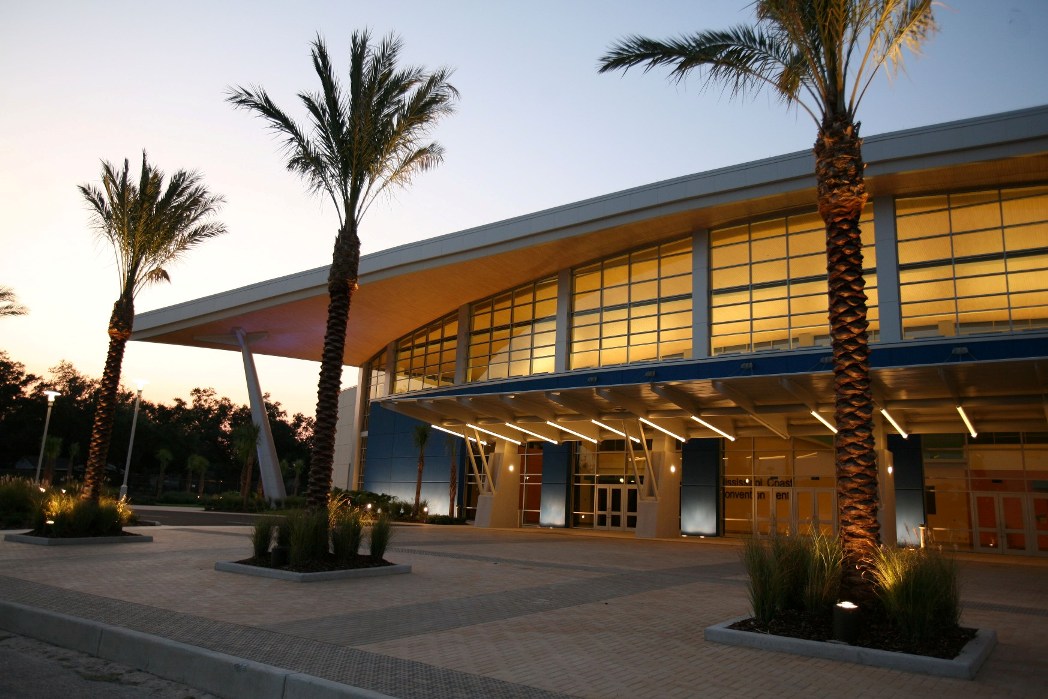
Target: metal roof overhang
[[997, 396], [404, 287]]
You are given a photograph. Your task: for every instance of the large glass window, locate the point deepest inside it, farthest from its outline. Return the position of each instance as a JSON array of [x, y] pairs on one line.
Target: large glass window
[[634, 307], [974, 262], [514, 333], [426, 357], [768, 283]]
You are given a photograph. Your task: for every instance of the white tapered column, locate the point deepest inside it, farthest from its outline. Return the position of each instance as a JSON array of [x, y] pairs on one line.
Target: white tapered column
[[268, 465]]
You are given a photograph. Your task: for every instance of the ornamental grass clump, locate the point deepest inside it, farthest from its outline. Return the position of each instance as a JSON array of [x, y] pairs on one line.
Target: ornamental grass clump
[[347, 532], [308, 532], [381, 533], [65, 515], [262, 535], [918, 589], [825, 561], [20, 498], [778, 569]]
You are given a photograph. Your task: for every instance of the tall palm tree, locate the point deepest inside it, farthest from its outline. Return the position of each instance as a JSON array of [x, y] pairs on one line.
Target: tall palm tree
[[420, 437], [361, 138], [9, 305], [149, 226], [820, 55]]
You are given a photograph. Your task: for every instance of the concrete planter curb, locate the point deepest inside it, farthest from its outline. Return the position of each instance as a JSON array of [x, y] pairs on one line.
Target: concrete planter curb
[[77, 540], [260, 572], [964, 666]]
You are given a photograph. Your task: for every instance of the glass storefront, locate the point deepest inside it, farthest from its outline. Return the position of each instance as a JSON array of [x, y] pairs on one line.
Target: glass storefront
[[514, 333]]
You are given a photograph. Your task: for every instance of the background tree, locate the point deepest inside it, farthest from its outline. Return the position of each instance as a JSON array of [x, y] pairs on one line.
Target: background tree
[[149, 227], [420, 437], [245, 444], [164, 457], [196, 465], [820, 55], [9, 305], [362, 138], [73, 453], [52, 448]]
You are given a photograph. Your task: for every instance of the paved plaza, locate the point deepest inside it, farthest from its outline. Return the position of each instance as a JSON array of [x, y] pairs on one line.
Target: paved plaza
[[502, 613]]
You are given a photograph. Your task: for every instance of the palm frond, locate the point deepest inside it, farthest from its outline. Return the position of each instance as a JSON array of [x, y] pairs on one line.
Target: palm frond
[[9, 305]]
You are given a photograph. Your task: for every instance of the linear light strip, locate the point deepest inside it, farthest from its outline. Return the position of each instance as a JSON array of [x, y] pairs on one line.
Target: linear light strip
[[463, 436], [719, 431], [649, 423], [493, 434], [533, 434], [824, 421], [903, 433], [611, 429], [967, 422], [569, 431]]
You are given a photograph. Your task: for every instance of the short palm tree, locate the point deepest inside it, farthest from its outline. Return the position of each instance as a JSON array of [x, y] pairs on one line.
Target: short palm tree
[[9, 305], [196, 465], [420, 438], [245, 444], [165, 457], [820, 55], [362, 137], [149, 226]]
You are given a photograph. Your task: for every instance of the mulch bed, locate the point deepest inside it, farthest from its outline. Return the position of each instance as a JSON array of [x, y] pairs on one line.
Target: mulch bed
[[321, 566], [872, 634]]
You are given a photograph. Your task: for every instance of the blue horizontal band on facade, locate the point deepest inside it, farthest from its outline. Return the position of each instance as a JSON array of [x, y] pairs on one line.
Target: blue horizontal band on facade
[[912, 353]]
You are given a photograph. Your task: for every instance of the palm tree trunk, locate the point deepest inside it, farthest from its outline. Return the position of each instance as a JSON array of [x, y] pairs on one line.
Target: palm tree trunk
[[105, 411], [418, 481], [841, 196], [342, 281]]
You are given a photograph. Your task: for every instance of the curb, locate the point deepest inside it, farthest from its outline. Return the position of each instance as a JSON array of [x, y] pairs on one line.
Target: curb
[[77, 540], [292, 576], [964, 666], [210, 671]]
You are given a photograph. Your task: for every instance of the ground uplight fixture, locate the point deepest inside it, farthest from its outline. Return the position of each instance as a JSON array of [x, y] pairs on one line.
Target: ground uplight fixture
[[846, 622]]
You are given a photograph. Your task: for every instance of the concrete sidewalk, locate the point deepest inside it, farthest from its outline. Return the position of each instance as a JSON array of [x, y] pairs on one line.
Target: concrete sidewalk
[[485, 613]]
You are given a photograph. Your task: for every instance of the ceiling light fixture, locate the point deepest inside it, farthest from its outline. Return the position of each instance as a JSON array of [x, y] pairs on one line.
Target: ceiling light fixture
[[533, 434], [967, 422], [649, 423], [493, 434], [565, 429], [902, 433], [824, 421], [719, 431], [620, 433]]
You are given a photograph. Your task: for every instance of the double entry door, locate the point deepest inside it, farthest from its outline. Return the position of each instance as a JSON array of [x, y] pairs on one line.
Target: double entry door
[[1003, 522], [615, 507]]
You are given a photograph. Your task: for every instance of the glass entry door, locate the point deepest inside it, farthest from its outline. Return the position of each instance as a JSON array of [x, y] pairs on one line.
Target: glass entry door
[[615, 507], [1000, 522], [773, 510], [816, 511], [1039, 505]]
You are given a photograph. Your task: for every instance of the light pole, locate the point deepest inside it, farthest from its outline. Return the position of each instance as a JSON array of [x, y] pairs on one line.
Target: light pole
[[51, 395], [131, 444]]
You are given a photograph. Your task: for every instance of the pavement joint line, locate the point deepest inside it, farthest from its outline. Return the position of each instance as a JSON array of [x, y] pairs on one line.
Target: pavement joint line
[[326, 661], [1006, 608]]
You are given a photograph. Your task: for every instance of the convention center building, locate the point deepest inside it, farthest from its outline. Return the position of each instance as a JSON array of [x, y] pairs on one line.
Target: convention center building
[[657, 360]]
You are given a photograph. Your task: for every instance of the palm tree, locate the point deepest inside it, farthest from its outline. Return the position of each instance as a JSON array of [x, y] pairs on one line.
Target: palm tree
[[451, 448], [165, 457], [74, 453], [52, 448], [361, 138], [245, 444], [9, 305], [820, 55], [419, 437], [196, 464], [149, 227]]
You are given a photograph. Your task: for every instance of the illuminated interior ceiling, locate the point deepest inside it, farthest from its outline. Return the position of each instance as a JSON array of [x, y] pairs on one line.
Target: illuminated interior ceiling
[[1000, 396], [405, 287]]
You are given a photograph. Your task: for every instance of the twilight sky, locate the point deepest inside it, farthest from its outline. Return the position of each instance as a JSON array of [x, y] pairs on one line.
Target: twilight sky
[[536, 127]]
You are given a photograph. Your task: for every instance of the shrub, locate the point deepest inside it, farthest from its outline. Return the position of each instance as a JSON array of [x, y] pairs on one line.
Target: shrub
[[381, 533], [262, 535], [445, 519], [918, 589], [66, 515], [19, 500], [346, 535]]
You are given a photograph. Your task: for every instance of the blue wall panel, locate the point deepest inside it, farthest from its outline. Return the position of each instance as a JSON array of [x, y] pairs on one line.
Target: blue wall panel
[[700, 487], [556, 484], [391, 465]]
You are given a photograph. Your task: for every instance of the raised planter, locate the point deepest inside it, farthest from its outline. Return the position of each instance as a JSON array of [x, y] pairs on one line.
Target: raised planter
[[278, 574], [964, 666], [78, 540]]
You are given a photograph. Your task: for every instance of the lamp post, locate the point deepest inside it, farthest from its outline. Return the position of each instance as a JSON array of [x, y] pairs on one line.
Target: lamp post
[[131, 443], [51, 395]]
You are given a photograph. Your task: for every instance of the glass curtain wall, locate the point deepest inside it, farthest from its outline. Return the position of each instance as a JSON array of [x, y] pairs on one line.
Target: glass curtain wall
[[426, 357], [530, 503], [634, 307], [973, 262], [768, 284], [514, 333]]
